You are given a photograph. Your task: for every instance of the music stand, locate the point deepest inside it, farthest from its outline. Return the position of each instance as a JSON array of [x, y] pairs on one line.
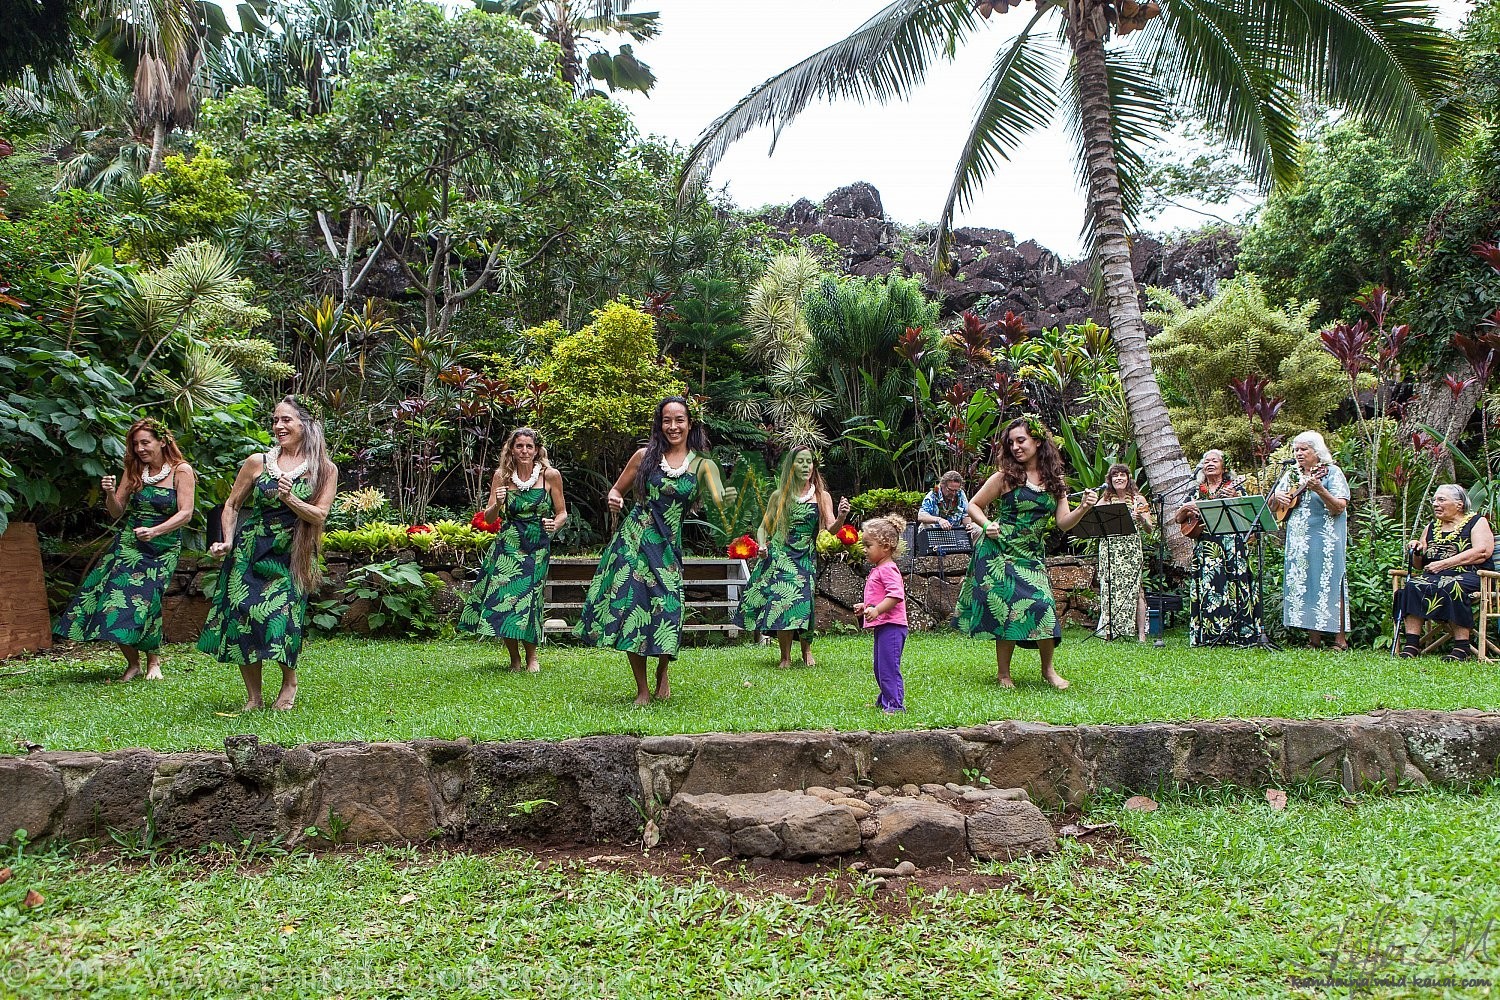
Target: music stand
[[1244, 516], [1104, 520]]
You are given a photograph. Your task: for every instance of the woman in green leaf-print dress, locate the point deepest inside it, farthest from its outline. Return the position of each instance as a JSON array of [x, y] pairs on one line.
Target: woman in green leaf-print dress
[[509, 597], [1006, 594], [778, 598], [634, 603], [279, 503], [121, 600]]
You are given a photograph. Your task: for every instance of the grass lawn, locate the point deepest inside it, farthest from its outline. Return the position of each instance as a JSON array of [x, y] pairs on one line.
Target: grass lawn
[[1213, 895], [364, 689]]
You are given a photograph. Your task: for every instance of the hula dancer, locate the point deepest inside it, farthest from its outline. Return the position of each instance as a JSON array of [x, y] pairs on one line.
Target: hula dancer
[[509, 596], [259, 608], [1006, 594], [121, 600], [634, 603], [779, 595]]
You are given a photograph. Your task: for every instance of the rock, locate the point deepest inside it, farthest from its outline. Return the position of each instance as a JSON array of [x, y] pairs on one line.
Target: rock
[[875, 799], [761, 762], [592, 780], [31, 794], [885, 790], [883, 872], [901, 758], [931, 788], [859, 807], [1006, 830], [956, 788], [868, 827], [780, 824], [381, 791], [826, 794], [844, 790], [911, 790], [906, 869], [924, 833], [113, 797]]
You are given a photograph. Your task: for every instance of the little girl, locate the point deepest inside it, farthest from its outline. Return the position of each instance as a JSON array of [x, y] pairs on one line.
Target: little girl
[[884, 607]]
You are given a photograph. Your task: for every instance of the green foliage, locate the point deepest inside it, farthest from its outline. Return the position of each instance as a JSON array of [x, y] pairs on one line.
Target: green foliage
[[606, 381], [1236, 334], [186, 200], [877, 503], [742, 515], [400, 599], [1343, 225], [74, 222], [379, 538], [1376, 546]]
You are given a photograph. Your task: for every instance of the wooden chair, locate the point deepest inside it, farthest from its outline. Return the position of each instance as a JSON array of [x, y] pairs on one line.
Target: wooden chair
[[1486, 613]]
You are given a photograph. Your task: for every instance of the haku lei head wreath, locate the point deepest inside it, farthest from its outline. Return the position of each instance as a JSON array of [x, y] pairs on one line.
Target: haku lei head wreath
[[162, 431], [310, 406], [696, 406]]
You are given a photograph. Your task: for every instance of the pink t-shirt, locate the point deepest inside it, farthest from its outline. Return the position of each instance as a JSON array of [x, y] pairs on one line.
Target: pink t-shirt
[[885, 581]]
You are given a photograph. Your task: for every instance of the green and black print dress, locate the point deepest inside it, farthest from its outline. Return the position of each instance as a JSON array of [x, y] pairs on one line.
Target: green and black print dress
[[1222, 585], [634, 603], [1449, 596], [121, 600], [510, 594], [258, 611], [1006, 593], [779, 594]]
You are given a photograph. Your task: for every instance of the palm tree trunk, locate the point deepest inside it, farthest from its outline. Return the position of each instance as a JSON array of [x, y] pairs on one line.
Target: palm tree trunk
[[1161, 453], [158, 145]]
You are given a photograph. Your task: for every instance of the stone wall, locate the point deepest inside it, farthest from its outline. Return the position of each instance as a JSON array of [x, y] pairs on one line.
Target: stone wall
[[374, 792]]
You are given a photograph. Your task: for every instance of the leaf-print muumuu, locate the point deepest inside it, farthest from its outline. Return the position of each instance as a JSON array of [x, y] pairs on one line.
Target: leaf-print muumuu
[[121, 600], [1007, 593], [509, 597], [779, 594], [258, 612]]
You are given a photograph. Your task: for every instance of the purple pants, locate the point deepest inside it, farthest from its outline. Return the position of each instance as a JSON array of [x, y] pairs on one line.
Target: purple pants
[[889, 641]]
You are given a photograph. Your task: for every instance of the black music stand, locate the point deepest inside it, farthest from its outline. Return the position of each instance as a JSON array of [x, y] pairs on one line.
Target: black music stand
[[1244, 516], [1104, 520]]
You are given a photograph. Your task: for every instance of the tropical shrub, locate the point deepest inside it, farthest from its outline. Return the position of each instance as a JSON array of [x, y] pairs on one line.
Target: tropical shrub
[[878, 503], [401, 599], [1375, 548]]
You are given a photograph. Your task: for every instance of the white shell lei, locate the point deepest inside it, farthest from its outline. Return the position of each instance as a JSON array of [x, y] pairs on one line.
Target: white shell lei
[[166, 470], [275, 469], [678, 472], [810, 495], [526, 484]]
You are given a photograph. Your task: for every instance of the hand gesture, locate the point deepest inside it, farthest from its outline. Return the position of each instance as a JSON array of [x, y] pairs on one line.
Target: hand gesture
[[219, 549], [284, 490], [1141, 506], [859, 609], [501, 495], [144, 534], [729, 495], [1418, 545], [844, 508], [549, 524], [615, 502], [1090, 498], [108, 483], [992, 530]]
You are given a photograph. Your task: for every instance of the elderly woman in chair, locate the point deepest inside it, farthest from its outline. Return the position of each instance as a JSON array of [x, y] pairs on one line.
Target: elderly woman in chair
[[1450, 554]]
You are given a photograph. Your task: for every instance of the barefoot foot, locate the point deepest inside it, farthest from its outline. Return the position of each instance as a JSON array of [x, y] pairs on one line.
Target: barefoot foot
[[154, 674], [1056, 680], [808, 661], [254, 705], [1006, 682], [533, 667], [642, 700], [784, 665], [131, 673], [285, 700]]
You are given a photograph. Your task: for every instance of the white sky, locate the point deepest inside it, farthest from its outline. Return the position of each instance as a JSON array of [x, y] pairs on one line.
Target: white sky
[[712, 52]]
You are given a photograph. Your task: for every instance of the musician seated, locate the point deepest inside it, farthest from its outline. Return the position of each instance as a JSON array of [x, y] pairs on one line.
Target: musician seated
[[946, 507], [1449, 554], [1312, 499]]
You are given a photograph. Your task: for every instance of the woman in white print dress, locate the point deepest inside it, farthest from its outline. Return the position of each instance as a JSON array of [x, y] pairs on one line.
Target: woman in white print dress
[[1313, 497]]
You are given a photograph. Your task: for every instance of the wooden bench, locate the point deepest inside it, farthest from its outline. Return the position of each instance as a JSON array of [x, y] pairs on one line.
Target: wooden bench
[[711, 591]]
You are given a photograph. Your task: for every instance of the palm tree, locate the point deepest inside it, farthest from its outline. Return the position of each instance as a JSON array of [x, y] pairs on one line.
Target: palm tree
[[162, 42], [1239, 65], [573, 25]]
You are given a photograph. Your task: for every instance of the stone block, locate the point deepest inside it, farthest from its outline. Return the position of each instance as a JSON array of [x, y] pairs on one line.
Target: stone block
[[1005, 830], [916, 830], [114, 796], [381, 791], [761, 762], [31, 796], [1045, 760], [777, 824], [920, 757], [591, 780]]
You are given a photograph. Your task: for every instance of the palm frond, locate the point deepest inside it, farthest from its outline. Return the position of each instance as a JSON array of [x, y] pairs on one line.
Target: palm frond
[[883, 59], [1138, 113], [1019, 97], [1385, 60], [1200, 52]]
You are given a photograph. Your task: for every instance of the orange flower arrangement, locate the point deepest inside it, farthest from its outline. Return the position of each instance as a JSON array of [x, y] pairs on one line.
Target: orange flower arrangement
[[744, 547], [847, 534], [478, 523]]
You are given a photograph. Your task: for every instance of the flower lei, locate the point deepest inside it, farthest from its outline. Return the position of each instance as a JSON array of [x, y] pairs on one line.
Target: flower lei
[[811, 493], [680, 471], [526, 484], [275, 469], [149, 480]]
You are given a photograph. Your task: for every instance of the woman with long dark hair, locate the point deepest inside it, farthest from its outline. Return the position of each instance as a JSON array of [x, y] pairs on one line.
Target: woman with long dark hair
[[121, 600], [278, 503], [634, 603], [1122, 599], [778, 598], [509, 597], [1006, 594]]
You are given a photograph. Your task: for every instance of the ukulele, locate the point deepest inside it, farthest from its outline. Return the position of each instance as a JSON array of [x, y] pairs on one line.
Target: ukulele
[[1191, 522], [1301, 483]]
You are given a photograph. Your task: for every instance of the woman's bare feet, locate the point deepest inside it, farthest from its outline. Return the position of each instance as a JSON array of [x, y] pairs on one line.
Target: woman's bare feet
[[642, 700], [663, 688], [1005, 681], [1056, 679], [533, 667], [808, 661], [285, 700], [514, 666], [784, 665], [131, 673], [253, 705], [153, 670]]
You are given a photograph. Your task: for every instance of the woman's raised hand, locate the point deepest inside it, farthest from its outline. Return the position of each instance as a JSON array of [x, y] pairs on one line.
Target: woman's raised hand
[[108, 483], [218, 549], [615, 501]]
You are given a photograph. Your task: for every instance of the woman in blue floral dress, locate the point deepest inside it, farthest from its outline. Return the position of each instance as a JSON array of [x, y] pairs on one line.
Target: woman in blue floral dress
[[278, 503], [509, 598], [1007, 595], [634, 603], [778, 599], [1313, 497], [121, 600]]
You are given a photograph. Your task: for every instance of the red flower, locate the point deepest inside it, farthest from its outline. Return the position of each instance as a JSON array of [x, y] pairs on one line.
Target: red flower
[[419, 529], [744, 547], [847, 535], [1457, 385], [478, 523]]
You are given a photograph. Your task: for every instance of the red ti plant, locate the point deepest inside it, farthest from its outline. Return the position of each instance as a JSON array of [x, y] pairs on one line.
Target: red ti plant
[[1489, 253], [1260, 405], [1369, 345]]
